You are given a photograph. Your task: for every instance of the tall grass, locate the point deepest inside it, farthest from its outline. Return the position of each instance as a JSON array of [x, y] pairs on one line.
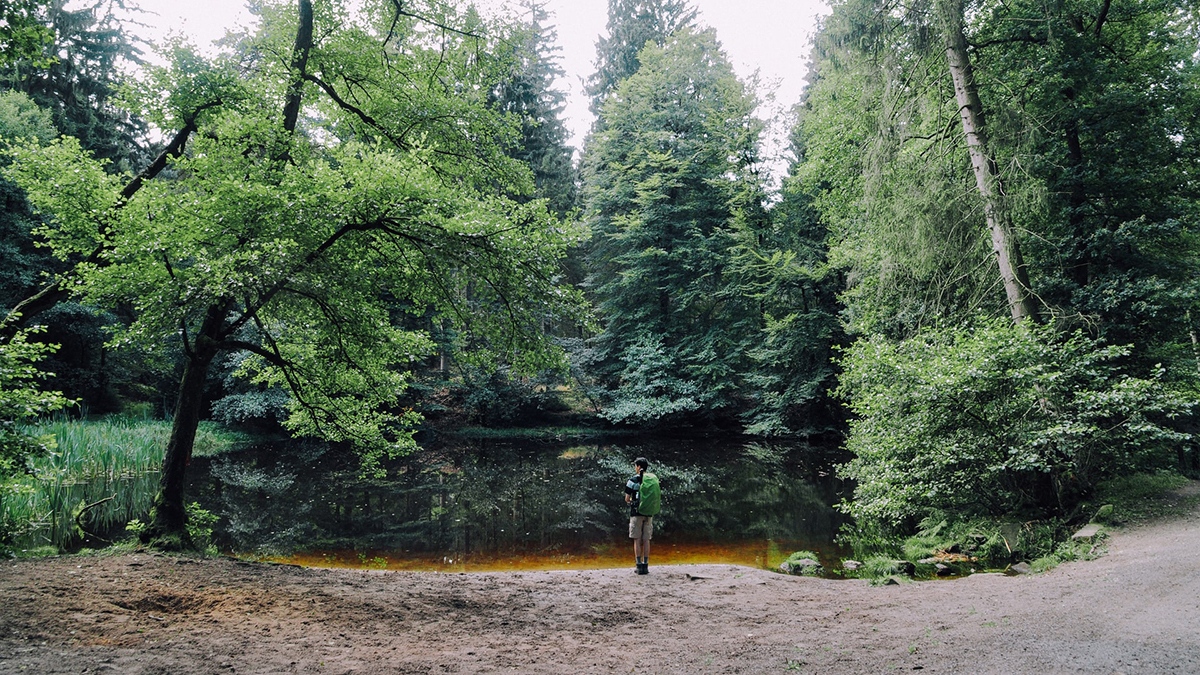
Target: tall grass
[[99, 474]]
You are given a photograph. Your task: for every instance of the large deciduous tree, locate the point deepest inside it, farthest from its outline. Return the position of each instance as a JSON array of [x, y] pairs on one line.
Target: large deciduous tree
[[342, 164]]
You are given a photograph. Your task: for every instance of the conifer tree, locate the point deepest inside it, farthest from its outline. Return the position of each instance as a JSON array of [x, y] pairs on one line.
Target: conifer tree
[[530, 94], [632, 24], [670, 190]]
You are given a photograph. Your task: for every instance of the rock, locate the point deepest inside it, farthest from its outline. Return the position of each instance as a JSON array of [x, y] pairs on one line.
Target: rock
[[1087, 532], [1021, 568], [1104, 514], [851, 565], [805, 567], [905, 567], [942, 570]]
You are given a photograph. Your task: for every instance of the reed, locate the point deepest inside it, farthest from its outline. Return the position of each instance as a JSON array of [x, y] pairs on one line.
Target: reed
[[106, 470]]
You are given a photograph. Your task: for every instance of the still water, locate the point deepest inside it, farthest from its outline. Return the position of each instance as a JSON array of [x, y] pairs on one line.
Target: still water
[[504, 506]]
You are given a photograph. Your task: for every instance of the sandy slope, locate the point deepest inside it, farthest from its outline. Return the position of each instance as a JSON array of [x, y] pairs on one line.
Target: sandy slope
[[1136, 610]]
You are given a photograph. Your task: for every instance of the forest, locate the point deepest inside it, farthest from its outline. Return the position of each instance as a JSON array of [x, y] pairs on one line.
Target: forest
[[362, 223]]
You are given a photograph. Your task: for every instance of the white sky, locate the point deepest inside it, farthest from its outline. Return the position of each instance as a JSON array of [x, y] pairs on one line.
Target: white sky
[[773, 37]]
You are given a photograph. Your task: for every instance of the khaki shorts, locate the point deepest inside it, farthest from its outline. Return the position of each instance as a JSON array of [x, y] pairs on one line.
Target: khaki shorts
[[641, 527]]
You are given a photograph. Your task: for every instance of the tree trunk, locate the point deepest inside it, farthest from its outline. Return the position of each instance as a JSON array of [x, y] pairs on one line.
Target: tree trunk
[[987, 176], [168, 527]]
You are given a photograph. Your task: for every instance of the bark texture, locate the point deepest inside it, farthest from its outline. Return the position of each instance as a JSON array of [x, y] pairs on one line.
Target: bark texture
[[987, 175]]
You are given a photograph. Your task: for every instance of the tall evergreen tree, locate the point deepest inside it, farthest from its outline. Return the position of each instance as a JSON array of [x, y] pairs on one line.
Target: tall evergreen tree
[[670, 189], [631, 25], [79, 81], [76, 78], [530, 94], [786, 270]]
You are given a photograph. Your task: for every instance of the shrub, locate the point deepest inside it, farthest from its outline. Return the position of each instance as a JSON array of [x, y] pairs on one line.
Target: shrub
[[996, 419]]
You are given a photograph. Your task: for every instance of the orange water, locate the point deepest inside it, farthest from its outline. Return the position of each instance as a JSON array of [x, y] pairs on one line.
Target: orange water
[[759, 554]]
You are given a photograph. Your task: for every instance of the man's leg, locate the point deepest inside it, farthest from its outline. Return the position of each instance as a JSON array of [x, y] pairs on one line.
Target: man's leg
[[635, 533]]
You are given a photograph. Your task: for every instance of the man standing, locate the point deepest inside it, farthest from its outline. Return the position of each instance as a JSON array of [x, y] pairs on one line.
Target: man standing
[[641, 520]]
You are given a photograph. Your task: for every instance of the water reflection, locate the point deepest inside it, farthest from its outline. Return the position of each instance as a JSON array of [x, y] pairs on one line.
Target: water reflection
[[504, 505]]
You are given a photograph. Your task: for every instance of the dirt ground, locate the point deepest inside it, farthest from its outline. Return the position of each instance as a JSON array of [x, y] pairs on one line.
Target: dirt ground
[[1135, 610]]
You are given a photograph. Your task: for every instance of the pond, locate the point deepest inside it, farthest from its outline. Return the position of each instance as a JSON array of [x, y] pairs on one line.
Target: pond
[[505, 506]]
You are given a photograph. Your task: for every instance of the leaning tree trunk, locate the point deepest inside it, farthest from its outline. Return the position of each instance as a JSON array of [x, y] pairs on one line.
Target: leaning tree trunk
[[987, 176], [168, 527]]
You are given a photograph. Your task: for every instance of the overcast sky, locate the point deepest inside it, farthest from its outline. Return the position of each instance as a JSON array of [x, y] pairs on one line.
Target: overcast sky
[[773, 37]]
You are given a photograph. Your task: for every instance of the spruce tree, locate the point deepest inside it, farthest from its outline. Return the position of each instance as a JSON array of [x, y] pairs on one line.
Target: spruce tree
[[529, 93], [670, 191], [631, 25]]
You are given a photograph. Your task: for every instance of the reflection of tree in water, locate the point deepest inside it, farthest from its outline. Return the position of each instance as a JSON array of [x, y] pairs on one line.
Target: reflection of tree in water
[[742, 491], [508, 498]]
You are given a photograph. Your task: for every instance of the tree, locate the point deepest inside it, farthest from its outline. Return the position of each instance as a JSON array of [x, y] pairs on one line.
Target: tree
[[670, 188], [1106, 161], [786, 271], [20, 263], [995, 420], [23, 34], [79, 79], [631, 25], [887, 175], [350, 165], [529, 94], [1012, 270], [76, 80], [1090, 130]]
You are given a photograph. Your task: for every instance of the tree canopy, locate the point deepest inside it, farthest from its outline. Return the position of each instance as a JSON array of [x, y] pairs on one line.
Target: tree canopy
[[670, 189], [332, 168]]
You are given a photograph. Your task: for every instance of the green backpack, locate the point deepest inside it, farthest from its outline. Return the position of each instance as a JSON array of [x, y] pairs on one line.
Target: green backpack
[[649, 496]]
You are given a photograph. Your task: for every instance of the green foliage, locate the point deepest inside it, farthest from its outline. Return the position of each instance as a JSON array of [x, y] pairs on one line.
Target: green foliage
[[669, 189], [22, 118], [23, 35], [200, 528], [785, 271], [529, 94], [996, 419], [1068, 551], [882, 570], [649, 389], [308, 245], [1095, 166], [1141, 496], [21, 400], [78, 77], [110, 464], [500, 398], [631, 25]]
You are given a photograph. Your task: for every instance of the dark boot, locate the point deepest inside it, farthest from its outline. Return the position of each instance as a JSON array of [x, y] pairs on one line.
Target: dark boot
[[643, 568]]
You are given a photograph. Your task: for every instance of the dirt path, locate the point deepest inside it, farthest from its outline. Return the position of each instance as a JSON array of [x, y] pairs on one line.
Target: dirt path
[[1136, 610]]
